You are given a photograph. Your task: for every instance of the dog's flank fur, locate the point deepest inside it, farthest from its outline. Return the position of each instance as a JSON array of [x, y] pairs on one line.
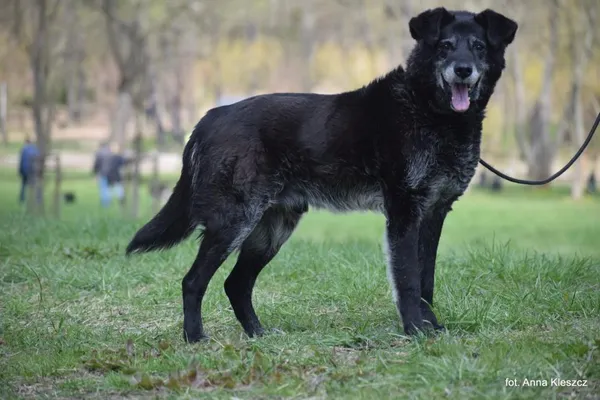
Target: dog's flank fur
[[406, 145]]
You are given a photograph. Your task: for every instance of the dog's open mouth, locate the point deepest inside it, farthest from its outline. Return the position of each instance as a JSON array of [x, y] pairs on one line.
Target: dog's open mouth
[[460, 95]]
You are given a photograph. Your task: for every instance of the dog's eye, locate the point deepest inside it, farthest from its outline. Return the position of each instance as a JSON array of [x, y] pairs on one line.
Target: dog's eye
[[478, 46], [446, 46]]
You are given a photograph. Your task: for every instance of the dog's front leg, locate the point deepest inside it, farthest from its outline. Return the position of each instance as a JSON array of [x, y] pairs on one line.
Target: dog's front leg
[[402, 234], [429, 237]]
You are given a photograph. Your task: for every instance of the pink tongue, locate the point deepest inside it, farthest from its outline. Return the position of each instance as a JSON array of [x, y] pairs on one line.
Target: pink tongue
[[460, 97]]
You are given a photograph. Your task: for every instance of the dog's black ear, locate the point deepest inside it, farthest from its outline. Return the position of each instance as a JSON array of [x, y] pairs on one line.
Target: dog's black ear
[[428, 25], [500, 30]]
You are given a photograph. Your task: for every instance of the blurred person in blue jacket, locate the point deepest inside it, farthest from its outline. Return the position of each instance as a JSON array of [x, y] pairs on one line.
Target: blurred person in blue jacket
[[107, 167], [29, 153]]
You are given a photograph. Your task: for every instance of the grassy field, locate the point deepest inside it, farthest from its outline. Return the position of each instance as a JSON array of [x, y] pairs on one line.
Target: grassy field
[[518, 287]]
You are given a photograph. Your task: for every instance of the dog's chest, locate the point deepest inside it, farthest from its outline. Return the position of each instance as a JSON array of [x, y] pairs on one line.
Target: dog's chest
[[444, 174]]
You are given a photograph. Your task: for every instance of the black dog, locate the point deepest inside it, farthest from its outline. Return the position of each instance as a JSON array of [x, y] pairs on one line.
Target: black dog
[[407, 145]]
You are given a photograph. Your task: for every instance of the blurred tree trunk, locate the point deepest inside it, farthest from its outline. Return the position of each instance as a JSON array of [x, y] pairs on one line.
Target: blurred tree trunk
[[588, 19], [135, 184], [307, 49], [251, 32], [176, 68], [152, 109], [520, 126], [398, 39], [75, 56], [121, 117], [299, 44], [508, 120], [541, 144], [176, 105], [190, 50], [128, 47], [4, 112], [43, 107]]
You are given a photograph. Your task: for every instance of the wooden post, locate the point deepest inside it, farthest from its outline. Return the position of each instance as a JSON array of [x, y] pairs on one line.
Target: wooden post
[[40, 185], [30, 191], [127, 177], [3, 112], [155, 175], [33, 190], [57, 184], [135, 195]]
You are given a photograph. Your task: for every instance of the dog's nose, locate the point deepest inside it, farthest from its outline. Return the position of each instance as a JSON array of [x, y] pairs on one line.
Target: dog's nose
[[463, 71]]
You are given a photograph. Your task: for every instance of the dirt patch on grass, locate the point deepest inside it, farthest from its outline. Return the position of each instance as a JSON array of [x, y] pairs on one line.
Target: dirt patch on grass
[[88, 386]]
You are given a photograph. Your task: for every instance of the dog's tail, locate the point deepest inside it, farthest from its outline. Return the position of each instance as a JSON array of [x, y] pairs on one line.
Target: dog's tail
[[171, 225]]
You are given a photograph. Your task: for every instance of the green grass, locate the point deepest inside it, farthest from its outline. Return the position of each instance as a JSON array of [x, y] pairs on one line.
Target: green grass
[[518, 287]]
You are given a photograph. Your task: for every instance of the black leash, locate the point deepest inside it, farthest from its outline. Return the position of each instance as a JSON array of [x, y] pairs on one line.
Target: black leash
[[556, 175]]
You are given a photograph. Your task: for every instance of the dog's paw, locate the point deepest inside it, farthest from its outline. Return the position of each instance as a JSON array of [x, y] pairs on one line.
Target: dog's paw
[[414, 329], [195, 337], [439, 328], [262, 332], [434, 326], [424, 328]]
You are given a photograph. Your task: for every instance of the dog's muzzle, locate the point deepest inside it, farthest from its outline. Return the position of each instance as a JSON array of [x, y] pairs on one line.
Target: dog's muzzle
[[462, 79]]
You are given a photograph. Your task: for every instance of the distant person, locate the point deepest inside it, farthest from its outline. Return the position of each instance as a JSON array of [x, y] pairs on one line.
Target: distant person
[[100, 169], [115, 177], [592, 186], [29, 152], [108, 167]]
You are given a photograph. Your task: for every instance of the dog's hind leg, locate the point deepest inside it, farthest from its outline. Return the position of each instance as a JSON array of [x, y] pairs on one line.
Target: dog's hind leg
[[221, 236], [275, 227]]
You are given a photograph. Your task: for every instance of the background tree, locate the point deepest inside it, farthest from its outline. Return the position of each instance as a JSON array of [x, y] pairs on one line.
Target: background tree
[[34, 28]]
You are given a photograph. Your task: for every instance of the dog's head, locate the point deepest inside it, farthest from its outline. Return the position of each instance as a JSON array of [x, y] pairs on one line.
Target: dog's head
[[460, 55]]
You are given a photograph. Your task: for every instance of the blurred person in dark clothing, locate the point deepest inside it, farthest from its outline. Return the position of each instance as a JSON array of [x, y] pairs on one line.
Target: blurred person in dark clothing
[[107, 167]]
